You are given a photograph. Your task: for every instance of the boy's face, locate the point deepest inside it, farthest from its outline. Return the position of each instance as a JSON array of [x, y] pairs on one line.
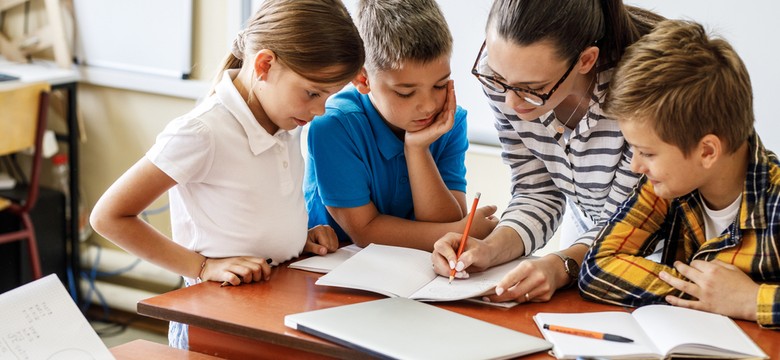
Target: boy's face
[[666, 167], [409, 99]]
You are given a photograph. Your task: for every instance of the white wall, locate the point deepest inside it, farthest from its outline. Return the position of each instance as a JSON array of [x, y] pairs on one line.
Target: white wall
[[751, 27]]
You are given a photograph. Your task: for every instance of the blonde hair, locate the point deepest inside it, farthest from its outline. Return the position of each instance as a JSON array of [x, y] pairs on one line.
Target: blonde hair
[[687, 83], [307, 36], [395, 31]]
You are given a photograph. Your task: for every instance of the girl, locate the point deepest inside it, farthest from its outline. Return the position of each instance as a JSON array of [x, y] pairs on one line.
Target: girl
[[545, 67], [233, 165]]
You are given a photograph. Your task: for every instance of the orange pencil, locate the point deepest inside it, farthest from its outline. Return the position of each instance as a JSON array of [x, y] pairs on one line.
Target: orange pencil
[[587, 333], [466, 231]]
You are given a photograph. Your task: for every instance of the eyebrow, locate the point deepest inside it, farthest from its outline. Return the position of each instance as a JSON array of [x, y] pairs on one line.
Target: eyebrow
[[409, 85]]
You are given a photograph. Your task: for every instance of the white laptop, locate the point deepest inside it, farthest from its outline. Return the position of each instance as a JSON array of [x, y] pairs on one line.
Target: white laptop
[[401, 328]]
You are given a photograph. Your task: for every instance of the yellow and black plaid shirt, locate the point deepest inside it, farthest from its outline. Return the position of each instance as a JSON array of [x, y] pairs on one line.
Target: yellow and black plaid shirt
[[615, 270]]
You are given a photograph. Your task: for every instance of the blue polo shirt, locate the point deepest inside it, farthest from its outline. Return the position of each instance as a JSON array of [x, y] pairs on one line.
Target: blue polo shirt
[[355, 158]]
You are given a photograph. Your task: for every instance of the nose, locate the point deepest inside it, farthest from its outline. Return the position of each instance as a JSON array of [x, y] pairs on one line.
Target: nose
[[636, 164], [514, 101], [318, 109], [428, 104]]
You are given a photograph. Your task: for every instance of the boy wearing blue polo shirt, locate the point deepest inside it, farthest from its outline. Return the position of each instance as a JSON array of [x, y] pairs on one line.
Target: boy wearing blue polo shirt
[[386, 160]]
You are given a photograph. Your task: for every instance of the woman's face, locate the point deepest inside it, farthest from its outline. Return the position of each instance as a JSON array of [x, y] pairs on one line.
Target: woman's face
[[536, 67]]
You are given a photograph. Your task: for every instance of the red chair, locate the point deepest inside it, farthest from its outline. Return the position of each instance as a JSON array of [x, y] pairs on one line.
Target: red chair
[[23, 110]]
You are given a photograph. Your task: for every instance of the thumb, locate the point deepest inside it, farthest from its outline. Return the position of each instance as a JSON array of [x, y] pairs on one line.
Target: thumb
[[486, 211]]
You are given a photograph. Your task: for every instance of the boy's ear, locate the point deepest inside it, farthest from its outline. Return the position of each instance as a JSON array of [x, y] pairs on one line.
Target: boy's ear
[[710, 149], [361, 82], [262, 64], [588, 59]]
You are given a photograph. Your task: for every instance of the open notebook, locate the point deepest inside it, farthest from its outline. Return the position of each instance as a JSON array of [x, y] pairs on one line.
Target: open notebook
[[658, 331], [404, 272], [406, 329]]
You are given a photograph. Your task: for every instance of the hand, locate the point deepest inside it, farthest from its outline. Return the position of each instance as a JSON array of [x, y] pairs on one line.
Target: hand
[[484, 222], [321, 240], [719, 287], [534, 277], [236, 270], [475, 256], [442, 123]]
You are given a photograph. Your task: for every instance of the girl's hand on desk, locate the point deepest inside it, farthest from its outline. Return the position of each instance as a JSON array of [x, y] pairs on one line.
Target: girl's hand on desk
[[237, 270], [321, 240]]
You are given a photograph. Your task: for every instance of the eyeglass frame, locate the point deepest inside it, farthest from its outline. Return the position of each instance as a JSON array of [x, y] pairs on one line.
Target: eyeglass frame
[[543, 97]]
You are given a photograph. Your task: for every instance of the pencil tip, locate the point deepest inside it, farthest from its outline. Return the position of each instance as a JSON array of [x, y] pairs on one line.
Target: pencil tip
[[451, 277], [478, 195]]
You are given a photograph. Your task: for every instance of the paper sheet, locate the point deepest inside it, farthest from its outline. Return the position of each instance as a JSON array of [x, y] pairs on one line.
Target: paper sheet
[[41, 321]]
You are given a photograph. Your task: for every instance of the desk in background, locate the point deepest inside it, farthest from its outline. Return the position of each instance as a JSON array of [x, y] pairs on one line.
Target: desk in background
[[64, 80], [247, 321]]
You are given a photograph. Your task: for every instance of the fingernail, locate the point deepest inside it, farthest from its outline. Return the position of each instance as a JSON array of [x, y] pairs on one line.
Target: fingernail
[[452, 264], [323, 251], [460, 266], [663, 275], [462, 275], [499, 290], [485, 299]]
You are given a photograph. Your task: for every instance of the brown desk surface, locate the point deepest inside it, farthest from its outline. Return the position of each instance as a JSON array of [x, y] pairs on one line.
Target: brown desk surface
[[143, 350], [248, 320]]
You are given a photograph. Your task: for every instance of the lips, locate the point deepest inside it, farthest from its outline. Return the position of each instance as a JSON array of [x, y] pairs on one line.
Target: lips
[[524, 111], [425, 121], [300, 122]]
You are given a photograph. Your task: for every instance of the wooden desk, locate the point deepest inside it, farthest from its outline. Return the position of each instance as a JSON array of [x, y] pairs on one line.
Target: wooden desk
[[248, 320], [143, 350], [65, 80]]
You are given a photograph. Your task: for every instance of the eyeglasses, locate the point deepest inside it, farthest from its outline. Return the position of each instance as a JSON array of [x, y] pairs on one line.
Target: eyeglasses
[[529, 96]]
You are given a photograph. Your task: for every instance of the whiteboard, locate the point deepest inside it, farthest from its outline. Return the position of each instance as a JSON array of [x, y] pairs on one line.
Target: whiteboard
[[145, 36]]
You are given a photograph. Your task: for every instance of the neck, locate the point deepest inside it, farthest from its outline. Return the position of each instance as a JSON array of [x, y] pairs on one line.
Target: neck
[[572, 108], [727, 179], [244, 83]]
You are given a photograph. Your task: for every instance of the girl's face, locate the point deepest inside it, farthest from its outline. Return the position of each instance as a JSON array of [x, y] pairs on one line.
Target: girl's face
[[288, 100], [536, 67]]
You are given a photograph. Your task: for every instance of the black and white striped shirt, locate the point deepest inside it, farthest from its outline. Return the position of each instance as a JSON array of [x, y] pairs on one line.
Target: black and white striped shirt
[[590, 168]]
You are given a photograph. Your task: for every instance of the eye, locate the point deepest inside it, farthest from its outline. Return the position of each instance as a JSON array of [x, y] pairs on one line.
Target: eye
[[401, 95], [440, 87], [313, 94]]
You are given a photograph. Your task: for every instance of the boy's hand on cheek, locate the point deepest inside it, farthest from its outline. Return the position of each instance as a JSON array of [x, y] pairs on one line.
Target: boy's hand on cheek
[[442, 123], [717, 287]]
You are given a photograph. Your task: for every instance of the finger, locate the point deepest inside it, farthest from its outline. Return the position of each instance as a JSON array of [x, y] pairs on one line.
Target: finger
[[486, 211], [314, 248], [329, 239], [511, 281], [687, 270], [676, 301], [266, 269], [446, 247], [680, 284]]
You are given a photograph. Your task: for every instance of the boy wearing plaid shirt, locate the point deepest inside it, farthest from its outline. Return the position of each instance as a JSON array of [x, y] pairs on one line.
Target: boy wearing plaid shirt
[[709, 191]]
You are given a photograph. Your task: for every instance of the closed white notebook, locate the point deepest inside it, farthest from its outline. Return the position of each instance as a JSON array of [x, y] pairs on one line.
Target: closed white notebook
[[401, 328]]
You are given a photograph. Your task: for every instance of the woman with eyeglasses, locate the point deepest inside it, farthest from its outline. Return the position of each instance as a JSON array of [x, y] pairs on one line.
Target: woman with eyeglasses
[[545, 66]]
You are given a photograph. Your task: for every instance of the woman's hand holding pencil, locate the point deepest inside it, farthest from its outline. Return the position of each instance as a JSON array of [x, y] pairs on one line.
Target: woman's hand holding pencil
[[465, 235]]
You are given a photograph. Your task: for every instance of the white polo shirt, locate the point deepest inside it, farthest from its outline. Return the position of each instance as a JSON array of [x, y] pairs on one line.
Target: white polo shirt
[[238, 189]]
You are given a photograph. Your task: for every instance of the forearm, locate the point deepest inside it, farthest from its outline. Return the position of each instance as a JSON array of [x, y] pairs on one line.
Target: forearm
[[433, 201], [141, 239], [391, 230]]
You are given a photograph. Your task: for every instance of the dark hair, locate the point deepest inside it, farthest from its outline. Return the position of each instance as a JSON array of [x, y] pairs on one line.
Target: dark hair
[[307, 36], [572, 25]]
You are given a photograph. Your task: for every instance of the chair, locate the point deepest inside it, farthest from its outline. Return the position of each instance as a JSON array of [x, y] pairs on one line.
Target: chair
[[22, 124]]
